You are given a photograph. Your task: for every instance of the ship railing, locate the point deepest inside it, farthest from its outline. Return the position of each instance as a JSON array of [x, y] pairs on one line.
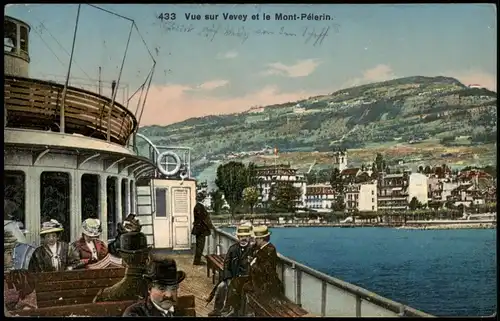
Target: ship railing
[[321, 294]]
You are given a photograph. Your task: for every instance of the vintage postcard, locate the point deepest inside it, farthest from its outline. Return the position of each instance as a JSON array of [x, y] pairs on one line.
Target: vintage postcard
[[251, 160]]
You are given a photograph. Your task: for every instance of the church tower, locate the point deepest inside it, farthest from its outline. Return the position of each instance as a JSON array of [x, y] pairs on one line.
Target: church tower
[[340, 159]]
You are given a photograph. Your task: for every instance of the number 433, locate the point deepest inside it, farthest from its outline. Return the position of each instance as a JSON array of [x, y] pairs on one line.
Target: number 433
[[166, 16]]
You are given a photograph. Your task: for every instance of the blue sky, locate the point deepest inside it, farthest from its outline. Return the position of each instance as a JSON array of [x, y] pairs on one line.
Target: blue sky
[[198, 73]]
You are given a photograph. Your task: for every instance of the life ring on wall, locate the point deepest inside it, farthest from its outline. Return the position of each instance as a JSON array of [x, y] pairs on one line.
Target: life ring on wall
[[164, 170]]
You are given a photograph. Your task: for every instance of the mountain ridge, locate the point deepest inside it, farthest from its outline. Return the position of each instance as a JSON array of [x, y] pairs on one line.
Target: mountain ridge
[[395, 111]]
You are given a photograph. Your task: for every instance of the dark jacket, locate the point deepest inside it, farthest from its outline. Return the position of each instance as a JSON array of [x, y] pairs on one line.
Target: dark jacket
[[41, 260], [236, 262], [85, 254], [202, 223], [145, 308], [114, 245], [263, 276]]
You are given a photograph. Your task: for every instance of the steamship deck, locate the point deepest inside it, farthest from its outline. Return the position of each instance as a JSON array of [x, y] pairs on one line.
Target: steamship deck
[[196, 283]]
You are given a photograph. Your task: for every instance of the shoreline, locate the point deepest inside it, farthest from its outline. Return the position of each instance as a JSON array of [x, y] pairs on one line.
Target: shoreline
[[425, 226]]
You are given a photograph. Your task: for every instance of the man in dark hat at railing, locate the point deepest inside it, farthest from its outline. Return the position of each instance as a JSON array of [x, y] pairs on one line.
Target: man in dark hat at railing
[[164, 280], [202, 226], [134, 252]]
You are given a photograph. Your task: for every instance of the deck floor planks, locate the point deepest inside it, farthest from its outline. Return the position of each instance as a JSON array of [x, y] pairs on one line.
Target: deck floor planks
[[196, 283]]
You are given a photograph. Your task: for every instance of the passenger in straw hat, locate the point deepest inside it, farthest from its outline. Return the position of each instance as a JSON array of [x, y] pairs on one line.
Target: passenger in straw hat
[[263, 275], [89, 248], [233, 275], [164, 279], [53, 254]]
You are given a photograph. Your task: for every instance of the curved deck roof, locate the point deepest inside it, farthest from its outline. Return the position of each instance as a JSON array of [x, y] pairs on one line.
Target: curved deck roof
[[35, 104]]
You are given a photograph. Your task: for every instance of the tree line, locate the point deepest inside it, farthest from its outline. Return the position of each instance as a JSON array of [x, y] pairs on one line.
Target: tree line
[[242, 187]]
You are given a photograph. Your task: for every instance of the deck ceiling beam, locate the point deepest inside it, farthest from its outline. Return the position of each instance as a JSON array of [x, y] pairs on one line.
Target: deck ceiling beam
[[82, 159], [38, 155], [110, 165], [125, 167], [144, 171], [142, 166]]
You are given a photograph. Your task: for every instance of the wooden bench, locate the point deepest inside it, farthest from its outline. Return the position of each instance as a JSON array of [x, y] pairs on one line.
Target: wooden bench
[[215, 263], [72, 287], [103, 309], [276, 306]]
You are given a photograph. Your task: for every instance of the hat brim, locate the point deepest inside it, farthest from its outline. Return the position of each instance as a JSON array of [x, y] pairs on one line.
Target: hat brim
[[51, 230], [262, 236], [133, 251], [91, 234], [243, 234], [179, 278]]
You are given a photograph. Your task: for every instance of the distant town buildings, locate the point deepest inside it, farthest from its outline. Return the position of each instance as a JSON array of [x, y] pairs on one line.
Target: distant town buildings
[[438, 187], [270, 175]]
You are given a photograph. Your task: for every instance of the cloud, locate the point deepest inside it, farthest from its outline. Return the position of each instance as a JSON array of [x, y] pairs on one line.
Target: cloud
[[173, 103], [302, 68], [213, 84], [469, 77], [380, 72], [228, 55]]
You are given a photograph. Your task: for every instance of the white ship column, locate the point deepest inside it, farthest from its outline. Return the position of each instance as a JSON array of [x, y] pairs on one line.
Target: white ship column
[[118, 201], [103, 207]]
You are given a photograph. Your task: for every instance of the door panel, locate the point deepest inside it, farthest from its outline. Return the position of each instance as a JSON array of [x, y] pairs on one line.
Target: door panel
[[181, 212], [162, 234]]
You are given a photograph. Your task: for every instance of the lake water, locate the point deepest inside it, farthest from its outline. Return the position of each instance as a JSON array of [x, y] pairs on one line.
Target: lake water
[[441, 272]]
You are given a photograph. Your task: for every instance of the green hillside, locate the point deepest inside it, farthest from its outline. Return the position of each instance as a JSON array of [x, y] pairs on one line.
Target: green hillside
[[437, 110]]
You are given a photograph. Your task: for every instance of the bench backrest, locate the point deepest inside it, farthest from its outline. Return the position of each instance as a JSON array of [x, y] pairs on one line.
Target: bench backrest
[[105, 309], [73, 287]]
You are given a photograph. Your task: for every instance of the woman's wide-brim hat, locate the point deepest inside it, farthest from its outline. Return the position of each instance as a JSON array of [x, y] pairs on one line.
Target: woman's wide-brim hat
[[164, 272], [92, 227], [52, 226], [131, 224], [261, 231]]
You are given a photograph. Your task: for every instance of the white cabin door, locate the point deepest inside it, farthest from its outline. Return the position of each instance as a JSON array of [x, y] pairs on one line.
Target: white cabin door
[[181, 212], [162, 226]]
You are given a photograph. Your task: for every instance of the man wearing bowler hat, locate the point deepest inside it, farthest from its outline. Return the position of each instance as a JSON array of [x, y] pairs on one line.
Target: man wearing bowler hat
[[164, 280], [134, 252]]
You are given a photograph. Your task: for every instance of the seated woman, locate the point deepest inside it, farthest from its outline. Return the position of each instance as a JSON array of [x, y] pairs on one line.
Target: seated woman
[[130, 224], [53, 254], [18, 286], [89, 248]]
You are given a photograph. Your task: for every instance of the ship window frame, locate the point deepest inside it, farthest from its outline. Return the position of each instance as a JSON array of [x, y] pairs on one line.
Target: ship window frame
[[83, 199], [112, 209], [166, 212], [23, 203], [133, 199], [67, 223], [23, 36], [125, 198], [10, 34]]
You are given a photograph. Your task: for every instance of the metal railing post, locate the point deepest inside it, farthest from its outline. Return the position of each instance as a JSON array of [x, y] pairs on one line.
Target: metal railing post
[[358, 306], [323, 298]]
